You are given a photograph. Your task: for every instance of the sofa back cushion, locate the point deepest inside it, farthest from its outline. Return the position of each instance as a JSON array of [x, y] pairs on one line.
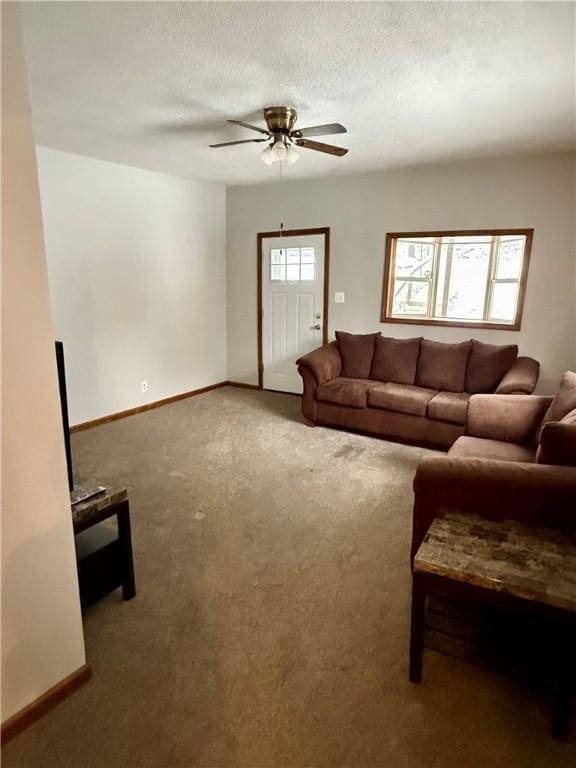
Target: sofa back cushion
[[395, 360], [443, 366], [565, 399], [357, 351], [487, 365]]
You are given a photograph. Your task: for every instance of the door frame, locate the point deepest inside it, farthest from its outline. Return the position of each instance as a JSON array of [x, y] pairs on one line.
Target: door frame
[[291, 233]]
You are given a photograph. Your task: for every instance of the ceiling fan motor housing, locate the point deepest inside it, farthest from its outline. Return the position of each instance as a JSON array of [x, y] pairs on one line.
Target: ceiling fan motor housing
[[280, 120]]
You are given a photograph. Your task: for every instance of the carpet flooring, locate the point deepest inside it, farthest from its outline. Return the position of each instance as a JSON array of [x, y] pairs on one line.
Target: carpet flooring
[[271, 622]]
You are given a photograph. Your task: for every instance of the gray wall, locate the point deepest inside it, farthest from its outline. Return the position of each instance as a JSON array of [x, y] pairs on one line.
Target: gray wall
[[532, 191], [137, 269]]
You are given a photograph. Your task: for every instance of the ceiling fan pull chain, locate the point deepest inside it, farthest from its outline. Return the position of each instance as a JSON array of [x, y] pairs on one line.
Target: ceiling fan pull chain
[[280, 164]]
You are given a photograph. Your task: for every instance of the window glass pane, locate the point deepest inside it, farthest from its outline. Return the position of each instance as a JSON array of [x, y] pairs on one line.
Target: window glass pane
[[307, 255], [509, 260], [277, 272], [293, 256], [414, 258], [277, 256], [441, 281], [467, 239], [504, 298], [410, 297], [468, 273], [293, 272], [307, 272]]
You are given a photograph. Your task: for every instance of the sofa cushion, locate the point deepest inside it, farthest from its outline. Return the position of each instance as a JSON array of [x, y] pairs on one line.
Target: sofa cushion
[[487, 365], [443, 366], [357, 351], [395, 359], [449, 406], [564, 400], [481, 448], [345, 391], [403, 398]]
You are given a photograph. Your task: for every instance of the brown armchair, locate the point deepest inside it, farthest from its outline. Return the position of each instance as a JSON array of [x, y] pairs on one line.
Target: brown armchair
[[496, 470]]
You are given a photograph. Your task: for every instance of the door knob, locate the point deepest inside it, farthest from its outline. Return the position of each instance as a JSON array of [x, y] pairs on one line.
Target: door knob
[[317, 327]]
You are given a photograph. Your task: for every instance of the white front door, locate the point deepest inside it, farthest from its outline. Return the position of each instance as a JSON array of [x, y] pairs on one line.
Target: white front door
[[292, 306]]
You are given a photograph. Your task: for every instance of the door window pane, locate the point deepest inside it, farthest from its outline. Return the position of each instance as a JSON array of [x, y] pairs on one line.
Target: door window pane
[[277, 256], [292, 264], [307, 272], [278, 272], [307, 255], [293, 256]]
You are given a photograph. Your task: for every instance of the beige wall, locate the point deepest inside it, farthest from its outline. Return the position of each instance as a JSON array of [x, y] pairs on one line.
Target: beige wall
[[137, 271], [528, 191], [42, 638]]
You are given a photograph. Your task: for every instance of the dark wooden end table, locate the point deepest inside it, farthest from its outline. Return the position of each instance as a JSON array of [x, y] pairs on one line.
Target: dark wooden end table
[[517, 567], [104, 556]]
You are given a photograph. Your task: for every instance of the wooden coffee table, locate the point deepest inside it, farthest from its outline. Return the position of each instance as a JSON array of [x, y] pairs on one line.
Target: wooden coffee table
[[516, 567]]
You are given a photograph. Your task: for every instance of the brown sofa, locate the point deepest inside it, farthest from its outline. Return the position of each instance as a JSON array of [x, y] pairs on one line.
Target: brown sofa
[[410, 390], [517, 461]]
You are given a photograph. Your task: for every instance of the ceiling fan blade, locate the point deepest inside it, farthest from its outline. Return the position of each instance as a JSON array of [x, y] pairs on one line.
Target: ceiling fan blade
[[318, 146], [319, 130], [231, 143], [252, 127]]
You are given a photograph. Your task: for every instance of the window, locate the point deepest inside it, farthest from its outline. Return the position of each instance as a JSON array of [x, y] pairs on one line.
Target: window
[[292, 264], [472, 279]]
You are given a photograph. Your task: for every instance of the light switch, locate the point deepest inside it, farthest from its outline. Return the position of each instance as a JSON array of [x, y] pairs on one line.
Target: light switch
[[339, 297]]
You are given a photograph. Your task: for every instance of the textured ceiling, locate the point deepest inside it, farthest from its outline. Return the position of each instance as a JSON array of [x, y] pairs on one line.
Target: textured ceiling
[[151, 84]]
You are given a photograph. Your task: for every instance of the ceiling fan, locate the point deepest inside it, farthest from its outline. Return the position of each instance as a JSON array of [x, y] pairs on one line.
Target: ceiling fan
[[282, 136]]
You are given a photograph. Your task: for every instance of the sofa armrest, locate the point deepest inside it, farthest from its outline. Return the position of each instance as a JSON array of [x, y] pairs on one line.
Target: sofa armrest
[[325, 363], [510, 418], [498, 490], [521, 378], [309, 405], [557, 444]]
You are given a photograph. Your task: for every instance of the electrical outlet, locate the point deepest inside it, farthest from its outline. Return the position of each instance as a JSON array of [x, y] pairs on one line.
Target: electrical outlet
[[144, 386], [339, 297]]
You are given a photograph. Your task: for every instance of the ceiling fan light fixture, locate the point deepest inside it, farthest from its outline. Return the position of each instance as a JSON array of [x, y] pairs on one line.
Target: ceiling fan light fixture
[[267, 156], [292, 156], [279, 151]]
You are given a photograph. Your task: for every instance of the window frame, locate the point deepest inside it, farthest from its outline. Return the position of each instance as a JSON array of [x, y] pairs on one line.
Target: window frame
[[388, 281]]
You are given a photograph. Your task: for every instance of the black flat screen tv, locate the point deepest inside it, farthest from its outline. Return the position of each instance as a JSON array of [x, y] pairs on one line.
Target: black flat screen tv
[[64, 406]]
